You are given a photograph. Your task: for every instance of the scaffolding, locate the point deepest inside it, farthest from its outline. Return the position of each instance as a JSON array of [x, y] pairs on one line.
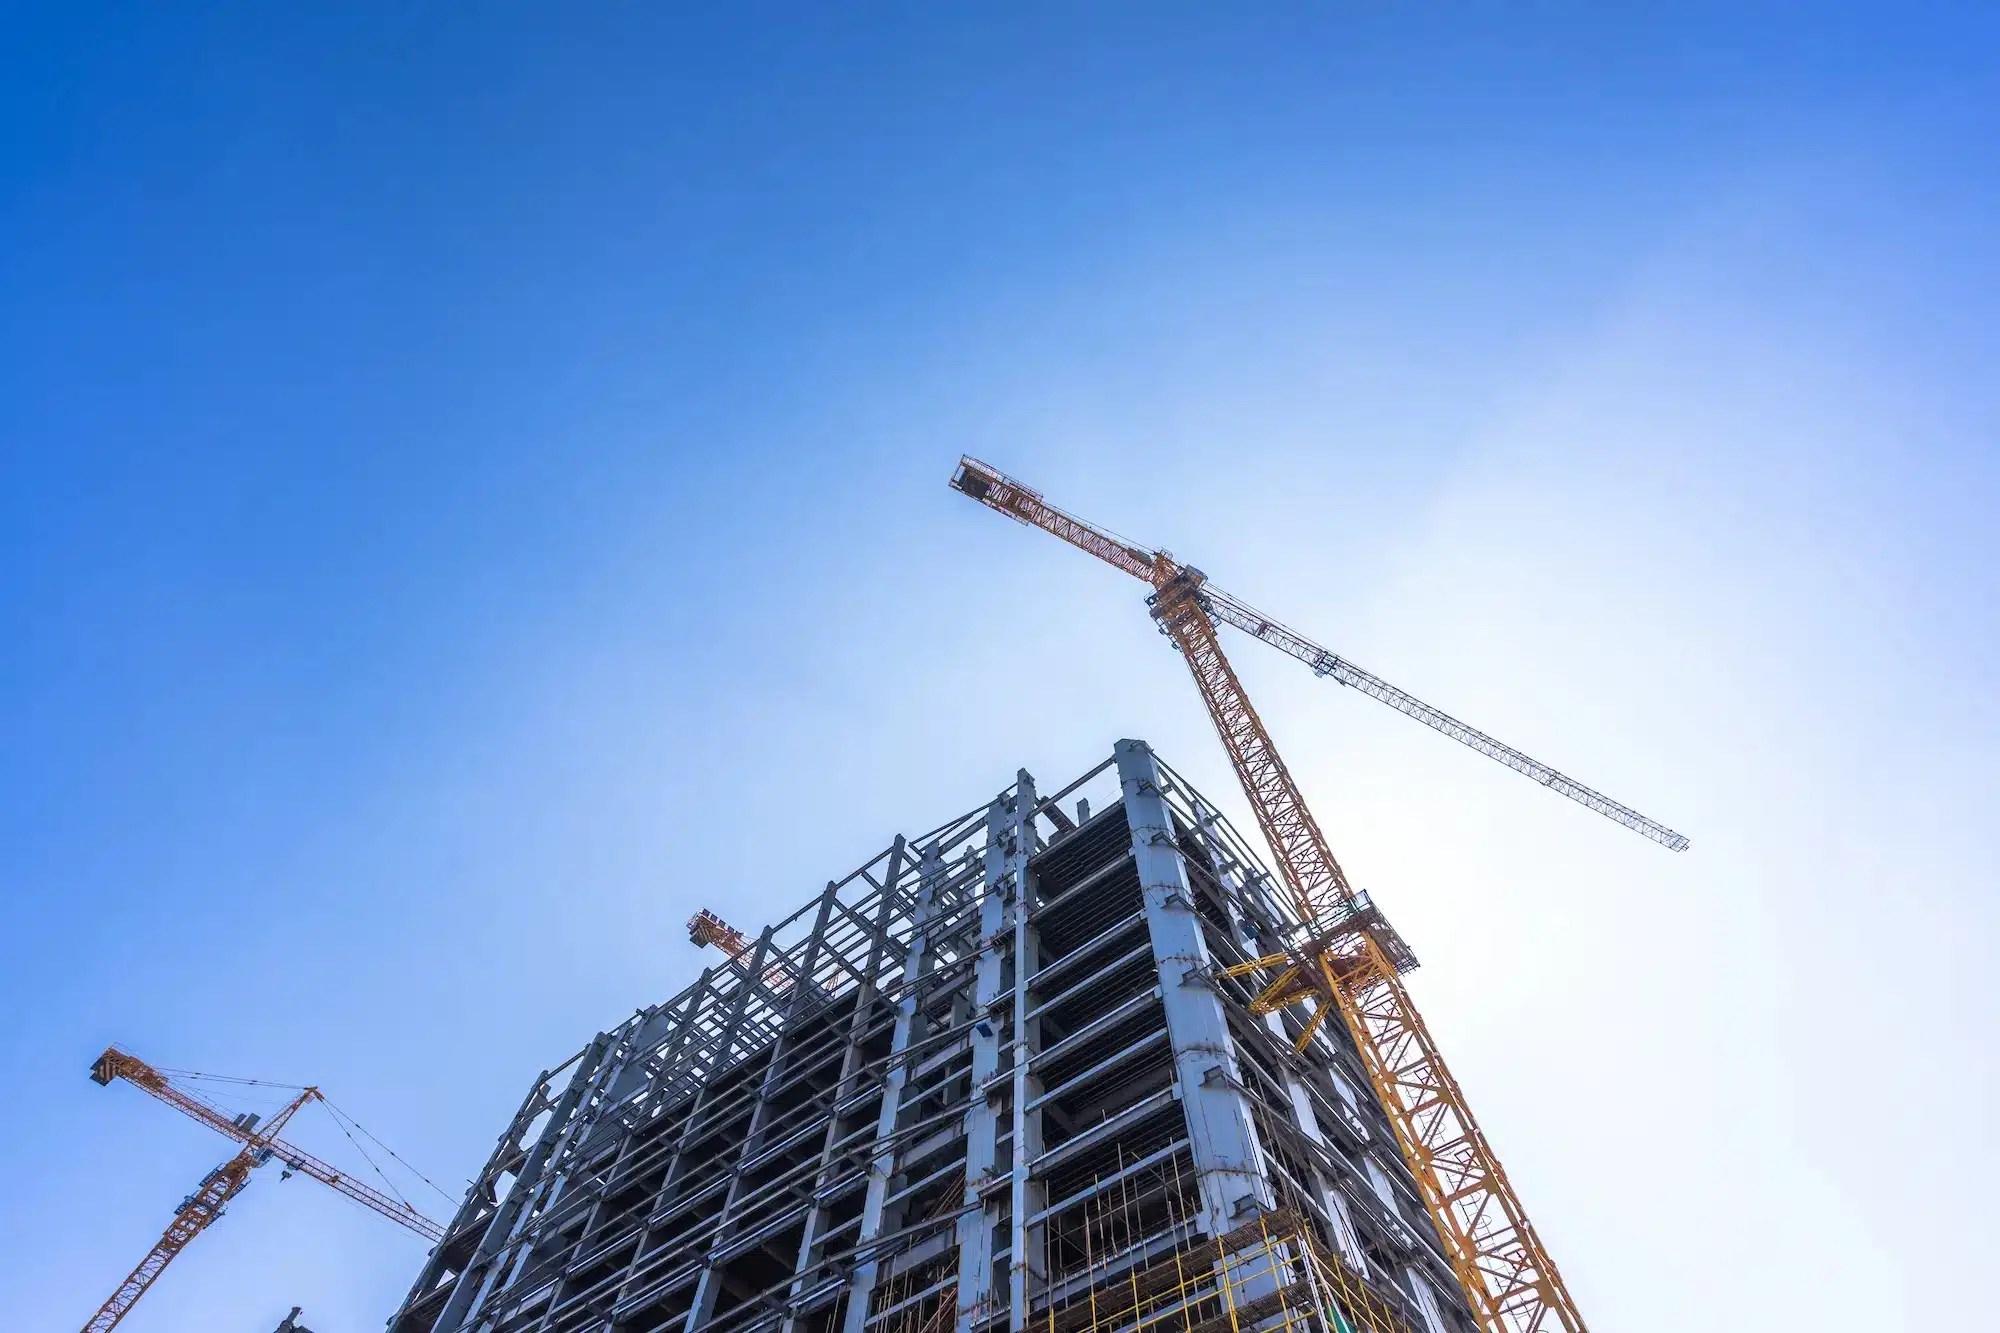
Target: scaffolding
[[991, 1079]]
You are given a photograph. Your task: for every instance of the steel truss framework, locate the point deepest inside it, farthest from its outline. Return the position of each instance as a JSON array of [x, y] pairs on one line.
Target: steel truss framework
[[999, 1076]]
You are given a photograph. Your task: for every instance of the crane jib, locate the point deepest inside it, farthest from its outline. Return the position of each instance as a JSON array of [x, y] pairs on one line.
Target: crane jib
[[1326, 663]]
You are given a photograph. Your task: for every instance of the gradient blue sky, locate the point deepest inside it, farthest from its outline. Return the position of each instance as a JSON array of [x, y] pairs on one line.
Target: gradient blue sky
[[474, 492]]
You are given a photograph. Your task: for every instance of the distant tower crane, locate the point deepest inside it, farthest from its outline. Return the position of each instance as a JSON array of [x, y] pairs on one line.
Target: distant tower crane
[[260, 1144], [1348, 961], [705, 928]]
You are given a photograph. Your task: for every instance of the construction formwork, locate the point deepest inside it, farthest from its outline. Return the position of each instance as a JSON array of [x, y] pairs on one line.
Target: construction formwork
[[989, 1080]]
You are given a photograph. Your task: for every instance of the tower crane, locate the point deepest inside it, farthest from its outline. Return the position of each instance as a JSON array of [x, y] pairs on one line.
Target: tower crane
[[706, 928], [260, 1144], [1346, 959]]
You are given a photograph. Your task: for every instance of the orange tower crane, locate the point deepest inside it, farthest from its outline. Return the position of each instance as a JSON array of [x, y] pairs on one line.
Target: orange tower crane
[[705, 928], [1348, 962], [260, 1144]]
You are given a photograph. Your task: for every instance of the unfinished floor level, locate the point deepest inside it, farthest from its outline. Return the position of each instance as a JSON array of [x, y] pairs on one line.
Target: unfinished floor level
[[990, 1080]]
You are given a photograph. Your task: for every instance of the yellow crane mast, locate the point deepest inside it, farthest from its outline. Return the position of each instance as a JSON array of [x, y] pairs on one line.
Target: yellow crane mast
[[201, 1208], [1348, 962]]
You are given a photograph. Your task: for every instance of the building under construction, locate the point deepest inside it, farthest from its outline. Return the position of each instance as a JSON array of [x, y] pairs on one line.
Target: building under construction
[[995, 1078]]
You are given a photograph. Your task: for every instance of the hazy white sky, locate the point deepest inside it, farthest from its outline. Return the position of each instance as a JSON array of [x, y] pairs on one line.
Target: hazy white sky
[[455, 532]]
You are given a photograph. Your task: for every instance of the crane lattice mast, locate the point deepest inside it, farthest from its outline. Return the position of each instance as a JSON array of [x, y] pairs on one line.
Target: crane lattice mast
[[1349, 962], [260, 1144], [197, 1211]]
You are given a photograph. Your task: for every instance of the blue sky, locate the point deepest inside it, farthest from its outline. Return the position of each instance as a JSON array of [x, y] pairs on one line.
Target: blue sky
[[474, 493]]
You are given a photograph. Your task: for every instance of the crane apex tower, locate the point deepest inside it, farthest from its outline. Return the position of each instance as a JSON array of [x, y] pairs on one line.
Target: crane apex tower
[[1008, 1074]]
